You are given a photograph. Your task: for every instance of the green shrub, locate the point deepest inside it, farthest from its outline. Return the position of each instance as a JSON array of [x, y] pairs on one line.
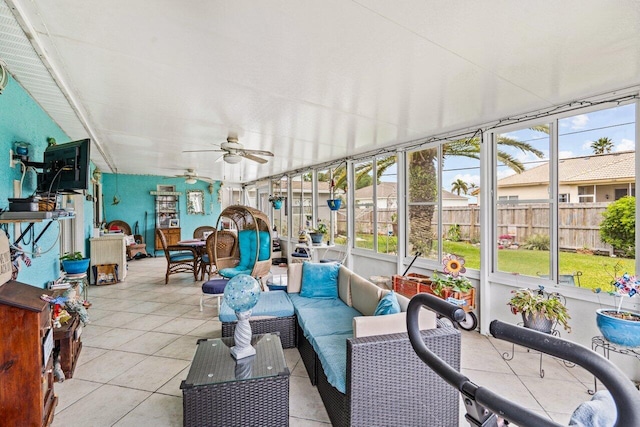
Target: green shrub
[[537, 242], [619, 225], [454, 233]]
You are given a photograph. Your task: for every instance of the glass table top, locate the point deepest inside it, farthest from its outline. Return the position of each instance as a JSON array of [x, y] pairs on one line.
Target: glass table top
[[213, 363]]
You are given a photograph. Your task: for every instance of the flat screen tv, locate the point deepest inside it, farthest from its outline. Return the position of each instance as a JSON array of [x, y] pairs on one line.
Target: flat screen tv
[[66, 167]]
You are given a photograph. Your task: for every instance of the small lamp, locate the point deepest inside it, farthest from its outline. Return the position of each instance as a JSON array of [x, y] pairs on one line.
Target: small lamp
[[242, 294]]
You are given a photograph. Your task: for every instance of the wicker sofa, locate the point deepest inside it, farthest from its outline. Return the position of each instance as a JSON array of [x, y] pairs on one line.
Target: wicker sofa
[[385, 383]]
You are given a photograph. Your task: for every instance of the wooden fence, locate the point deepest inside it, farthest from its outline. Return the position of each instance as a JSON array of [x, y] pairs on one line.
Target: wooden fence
[[579, 223]]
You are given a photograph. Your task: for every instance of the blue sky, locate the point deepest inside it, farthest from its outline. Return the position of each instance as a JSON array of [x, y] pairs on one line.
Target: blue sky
[[576, 135]]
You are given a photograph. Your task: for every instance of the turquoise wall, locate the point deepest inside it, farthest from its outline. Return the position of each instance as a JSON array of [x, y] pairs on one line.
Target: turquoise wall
[[22, 119], [136, 202]]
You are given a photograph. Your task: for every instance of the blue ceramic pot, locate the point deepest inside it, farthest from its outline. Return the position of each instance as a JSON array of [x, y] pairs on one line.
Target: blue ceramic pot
[[619, 331], [277, 204], [334, 204], [76, 266]]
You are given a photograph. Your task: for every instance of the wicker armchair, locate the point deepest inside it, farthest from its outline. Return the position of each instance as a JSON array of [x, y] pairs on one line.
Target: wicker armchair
[[180, 259], [135, 249], [198, 233]]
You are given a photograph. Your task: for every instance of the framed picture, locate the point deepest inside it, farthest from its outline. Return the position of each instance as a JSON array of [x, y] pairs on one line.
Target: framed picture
[[174, 223]]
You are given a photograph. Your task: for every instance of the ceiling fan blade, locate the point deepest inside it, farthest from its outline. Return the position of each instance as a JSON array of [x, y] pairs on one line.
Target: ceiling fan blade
[[203, 151], [252, 157], [258, 152]]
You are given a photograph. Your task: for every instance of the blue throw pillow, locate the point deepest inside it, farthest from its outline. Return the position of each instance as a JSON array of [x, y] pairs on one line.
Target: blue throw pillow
[[388, 305], [319, 280]]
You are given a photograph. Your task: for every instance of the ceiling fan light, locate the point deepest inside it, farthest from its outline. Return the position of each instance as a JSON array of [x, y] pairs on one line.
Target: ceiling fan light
[[190, 180], [232, 158]]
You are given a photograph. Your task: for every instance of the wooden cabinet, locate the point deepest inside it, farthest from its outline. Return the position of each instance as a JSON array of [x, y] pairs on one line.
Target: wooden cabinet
[[109, 249], [26, 357], [171, 234]]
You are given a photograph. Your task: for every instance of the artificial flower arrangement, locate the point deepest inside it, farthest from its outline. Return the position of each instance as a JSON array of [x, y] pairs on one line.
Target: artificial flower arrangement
[[624, 285], [450, 279]]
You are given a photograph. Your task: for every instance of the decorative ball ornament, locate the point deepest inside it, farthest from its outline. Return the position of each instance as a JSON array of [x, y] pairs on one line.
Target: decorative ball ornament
[[242, 294]]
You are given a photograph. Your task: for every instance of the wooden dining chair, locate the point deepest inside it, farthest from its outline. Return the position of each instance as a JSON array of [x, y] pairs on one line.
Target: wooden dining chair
[[198, 233], [207, 264], [180, 259]]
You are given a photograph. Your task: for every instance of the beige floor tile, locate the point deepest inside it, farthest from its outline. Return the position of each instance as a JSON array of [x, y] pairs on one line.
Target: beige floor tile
[[299, 370], [183, 348], [108, 366], [112, 339], [291, 356], [304, 401], [209, 329], [172, 310], [560, 418], [207, 313], [557, 395], [158, 410], [149, 342], [483, 357], [117, 319], [528, 365], [146, 307], [506, 385], [150, 374], [88, 353], [172, 387], [97, 313], [148, 322], [299, 422], [180, 325], [70, 391], [93, 330], [101, 408]]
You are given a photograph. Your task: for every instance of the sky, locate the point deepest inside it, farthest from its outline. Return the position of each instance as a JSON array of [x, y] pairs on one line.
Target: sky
[[576, 133]]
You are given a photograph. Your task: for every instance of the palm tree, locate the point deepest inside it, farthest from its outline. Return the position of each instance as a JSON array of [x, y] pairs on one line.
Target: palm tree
[[459, 186], [602, 145]]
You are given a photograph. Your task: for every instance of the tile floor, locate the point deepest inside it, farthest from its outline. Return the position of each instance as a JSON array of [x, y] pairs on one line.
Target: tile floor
[[142, 336]]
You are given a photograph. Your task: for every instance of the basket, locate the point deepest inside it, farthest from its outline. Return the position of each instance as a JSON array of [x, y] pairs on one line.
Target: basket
[[412, 284], [46, 205]]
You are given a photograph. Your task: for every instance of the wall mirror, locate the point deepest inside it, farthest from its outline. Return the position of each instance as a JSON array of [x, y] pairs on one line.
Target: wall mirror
[[195, 202]]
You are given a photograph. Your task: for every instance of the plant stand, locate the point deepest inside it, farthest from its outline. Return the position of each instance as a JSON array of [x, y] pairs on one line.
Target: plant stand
[[607, 347]]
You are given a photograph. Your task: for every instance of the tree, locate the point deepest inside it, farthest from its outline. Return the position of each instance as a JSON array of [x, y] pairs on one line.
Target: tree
[[619, 225], [474, 189], [459, 186], [602, 145]]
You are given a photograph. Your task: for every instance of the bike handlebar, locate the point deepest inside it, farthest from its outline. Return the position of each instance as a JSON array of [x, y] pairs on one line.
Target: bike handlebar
[[624, 393]]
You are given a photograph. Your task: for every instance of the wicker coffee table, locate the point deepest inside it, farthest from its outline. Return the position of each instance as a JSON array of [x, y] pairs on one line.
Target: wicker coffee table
[[252, 392]]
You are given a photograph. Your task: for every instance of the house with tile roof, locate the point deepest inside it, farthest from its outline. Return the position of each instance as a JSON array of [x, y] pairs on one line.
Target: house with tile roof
[[586, 179]]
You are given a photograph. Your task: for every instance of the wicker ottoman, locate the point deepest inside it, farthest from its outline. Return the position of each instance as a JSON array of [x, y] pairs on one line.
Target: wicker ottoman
[[254, 391], [273, 313]]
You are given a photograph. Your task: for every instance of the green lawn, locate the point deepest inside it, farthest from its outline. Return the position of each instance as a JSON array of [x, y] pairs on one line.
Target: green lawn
[[596, 270]]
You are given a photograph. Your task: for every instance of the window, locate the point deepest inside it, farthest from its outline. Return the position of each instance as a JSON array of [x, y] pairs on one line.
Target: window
[[423, 206], [592, 164]]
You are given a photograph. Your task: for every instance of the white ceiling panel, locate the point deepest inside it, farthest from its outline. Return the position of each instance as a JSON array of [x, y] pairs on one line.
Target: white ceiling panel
[[310, 81]]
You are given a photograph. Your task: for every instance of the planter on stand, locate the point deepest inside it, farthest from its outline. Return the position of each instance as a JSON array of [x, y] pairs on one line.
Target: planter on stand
[[277, 204], [622, 328], [76, 266], [316, 238], [538, 322]]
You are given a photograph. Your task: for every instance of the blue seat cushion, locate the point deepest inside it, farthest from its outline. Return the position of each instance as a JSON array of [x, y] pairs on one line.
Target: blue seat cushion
[[300, 255], [205, 258], [264, 249], [247, 246], [214, 286], [328, 321], [332, 352], [181, 256], [234, 271], [272, 304], [300, 302]]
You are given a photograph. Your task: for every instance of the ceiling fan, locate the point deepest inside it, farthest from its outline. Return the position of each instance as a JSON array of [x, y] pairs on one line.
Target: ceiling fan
[[234, 152], [191, 177]]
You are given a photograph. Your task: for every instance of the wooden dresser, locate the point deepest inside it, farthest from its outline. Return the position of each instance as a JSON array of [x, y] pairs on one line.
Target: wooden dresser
[[26, 357], [171, 234]]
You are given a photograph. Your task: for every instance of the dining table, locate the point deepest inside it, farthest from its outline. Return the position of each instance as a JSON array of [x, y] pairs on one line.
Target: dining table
[[200, 246]]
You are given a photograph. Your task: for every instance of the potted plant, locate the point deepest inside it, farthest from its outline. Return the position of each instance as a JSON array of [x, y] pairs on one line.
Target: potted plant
[[618, 326], [540, 310], [276, 201], [74, 263], [455, 288], [317, 234]]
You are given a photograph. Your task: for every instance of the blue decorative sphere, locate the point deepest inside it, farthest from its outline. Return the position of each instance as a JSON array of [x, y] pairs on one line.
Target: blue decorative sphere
[[242, 293]]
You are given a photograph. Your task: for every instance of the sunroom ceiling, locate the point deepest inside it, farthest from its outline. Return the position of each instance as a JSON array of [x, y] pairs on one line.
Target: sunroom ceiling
[[311, 81]]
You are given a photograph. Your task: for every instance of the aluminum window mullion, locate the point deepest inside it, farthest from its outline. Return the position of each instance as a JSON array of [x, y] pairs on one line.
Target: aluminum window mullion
[[554, 259]]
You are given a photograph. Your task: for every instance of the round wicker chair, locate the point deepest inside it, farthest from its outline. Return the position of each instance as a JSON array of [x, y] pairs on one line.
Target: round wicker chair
[[246, 249]]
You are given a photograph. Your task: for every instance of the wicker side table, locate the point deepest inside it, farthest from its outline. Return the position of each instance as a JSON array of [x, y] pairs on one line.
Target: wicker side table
[[251, 392]]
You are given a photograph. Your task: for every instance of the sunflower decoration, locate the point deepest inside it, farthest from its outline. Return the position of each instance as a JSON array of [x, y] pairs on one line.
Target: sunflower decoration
[[453, 265]]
